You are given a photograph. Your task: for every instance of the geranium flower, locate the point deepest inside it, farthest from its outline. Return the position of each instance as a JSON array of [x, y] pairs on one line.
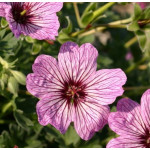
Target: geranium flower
[[71, 90], [38, 20], [132, 123]]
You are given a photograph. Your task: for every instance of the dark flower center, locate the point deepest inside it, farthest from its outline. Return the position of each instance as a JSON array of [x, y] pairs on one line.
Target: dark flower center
[[148, 142], [146, 139], [20, 14], [73, 92]]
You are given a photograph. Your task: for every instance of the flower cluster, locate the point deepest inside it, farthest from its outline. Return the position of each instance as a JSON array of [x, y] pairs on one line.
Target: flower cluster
[[70, 88]]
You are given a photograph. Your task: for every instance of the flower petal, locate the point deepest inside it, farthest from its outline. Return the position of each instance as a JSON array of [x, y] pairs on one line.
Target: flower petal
[[90, 118], [46, 77], [77, 63], [106, 85], [127, 120], [145, 108], [125, 142], [55, 111], [4, 9], [42, 7]]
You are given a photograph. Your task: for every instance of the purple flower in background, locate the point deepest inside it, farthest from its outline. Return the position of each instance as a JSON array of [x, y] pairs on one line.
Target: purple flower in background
[[38, 20], [129, 56], [132, 123], [71, 90], [143, 4]]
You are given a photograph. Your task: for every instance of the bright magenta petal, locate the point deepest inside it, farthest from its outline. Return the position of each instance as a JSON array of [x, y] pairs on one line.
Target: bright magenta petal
[[106, 85], [127, 120], [125, 142], [90, 118], [145, 108], [78, 63], [55, 111]]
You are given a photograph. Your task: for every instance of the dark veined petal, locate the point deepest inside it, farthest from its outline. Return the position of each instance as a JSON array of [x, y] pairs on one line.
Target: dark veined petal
[[145, 108], [127, 120], [55, 111], [106, 85], [43, 7], [78, 63], [89, 118], [46, 77], [125, 142]]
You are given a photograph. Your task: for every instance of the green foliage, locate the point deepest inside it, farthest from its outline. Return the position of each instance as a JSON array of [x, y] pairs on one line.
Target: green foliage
[[64, 33], [4, 23], [141, 26], [88, 14]]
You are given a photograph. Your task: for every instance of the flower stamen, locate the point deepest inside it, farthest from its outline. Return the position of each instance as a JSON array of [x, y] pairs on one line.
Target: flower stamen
[[23, 12]]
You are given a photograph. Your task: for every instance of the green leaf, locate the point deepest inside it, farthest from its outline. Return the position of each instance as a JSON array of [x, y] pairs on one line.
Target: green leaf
[[146, 13], [29, 39], [144, 41], [5, 140], [71, 137], [88, 15], [63, 37], [133, 26], [64, 33], [19, 76], [87, 18], [36, 48], [4, 23], [22, 120], [3, 80], [12, 85], [86, 39], [2, 33], [141, 38], [92, 6], [137, 11], [68, 29], [8, 36]]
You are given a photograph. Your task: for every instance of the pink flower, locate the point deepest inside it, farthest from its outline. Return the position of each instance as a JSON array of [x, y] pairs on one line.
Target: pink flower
[[143, 4], [71, 90], [132, 123], [38, 20]]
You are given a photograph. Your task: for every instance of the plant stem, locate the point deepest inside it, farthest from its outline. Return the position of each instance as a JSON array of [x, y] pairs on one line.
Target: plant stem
[[77, 14], [99, 11], [132, 67], [115, 24], [136, 87], [130, 42], [6, 121]]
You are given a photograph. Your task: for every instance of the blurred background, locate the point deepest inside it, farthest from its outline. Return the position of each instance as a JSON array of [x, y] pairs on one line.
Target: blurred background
[[117, 46]]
